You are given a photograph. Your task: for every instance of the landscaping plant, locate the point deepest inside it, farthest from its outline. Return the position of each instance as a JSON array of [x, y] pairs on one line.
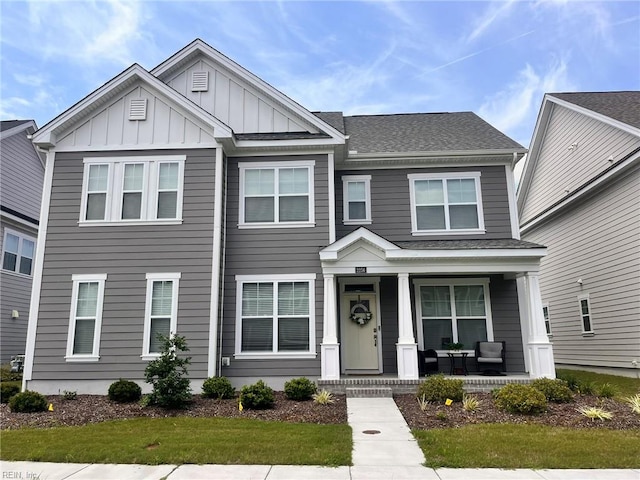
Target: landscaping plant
[[595, 413], [168, 374], [300, 389], [470, 403], [323, 397], [124, 391], [606, 390], [257, 396], [218, 387], [437, 388], [515, 398], [8, 390], [634, 402], [28, 402], [554, 390]]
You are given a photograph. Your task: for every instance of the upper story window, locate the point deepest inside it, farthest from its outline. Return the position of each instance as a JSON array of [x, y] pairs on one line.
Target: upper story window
[[446, 203], [85, 322], [357, 199], [276, 194], [585, 314], [132, 189], [18, 251]]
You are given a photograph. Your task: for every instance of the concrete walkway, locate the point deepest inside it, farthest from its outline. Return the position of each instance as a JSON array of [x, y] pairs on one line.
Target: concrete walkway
[[391, 454]]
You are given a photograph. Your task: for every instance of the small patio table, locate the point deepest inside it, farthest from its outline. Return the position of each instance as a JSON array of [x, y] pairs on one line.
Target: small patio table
[[463, 361]]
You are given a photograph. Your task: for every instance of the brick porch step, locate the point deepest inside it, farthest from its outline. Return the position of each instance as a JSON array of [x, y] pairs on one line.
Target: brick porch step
[[369, 392]]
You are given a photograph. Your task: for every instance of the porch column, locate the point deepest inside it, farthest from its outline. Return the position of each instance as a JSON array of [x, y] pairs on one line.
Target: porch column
[[538, 350], [406, 348], [330, 348]]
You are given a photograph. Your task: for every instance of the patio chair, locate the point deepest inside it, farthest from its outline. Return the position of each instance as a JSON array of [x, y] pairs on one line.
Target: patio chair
[[490, 357], [427, 362]]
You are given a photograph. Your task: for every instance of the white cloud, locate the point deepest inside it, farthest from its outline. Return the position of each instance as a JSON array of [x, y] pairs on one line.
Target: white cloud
[[496, 11]]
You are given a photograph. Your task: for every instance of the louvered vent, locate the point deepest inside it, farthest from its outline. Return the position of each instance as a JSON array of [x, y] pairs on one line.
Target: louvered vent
[[138, 109], [199, 81]]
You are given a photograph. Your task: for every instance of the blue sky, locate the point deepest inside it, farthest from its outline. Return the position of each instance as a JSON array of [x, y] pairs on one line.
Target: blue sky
[[366, 57]]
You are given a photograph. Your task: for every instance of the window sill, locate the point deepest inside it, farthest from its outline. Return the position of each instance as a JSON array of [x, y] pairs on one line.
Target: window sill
[[150, 356], [248, 226], [120, 223], [279, 355], [588, 334], [417, 233], [16, 274], [77, 358], [357, 222]]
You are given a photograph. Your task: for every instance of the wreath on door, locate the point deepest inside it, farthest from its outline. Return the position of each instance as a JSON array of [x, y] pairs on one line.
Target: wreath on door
[[360, 314]]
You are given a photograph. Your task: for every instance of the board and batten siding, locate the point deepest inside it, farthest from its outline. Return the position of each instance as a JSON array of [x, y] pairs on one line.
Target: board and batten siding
[[234, 102], [561, 168], [273, 251], [598, 242], [391, 203], [126, 253]]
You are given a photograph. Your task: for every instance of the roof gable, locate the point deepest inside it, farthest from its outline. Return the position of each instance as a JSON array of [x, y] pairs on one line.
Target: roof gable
[[623, 107]]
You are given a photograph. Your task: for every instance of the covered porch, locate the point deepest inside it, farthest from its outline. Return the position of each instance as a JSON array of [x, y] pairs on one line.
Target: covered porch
[[383, 302]]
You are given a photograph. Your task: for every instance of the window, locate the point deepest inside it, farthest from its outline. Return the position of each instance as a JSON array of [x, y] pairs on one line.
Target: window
[[448, 203], [83, 340], [545, 314], [275, 316], [453, 311], [357, 199], [18, 251], [276, 195], [161, 311], [585, 314], [132, 189]]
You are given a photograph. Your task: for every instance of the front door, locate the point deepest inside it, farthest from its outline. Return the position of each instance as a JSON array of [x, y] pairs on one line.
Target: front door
[[360, 333]]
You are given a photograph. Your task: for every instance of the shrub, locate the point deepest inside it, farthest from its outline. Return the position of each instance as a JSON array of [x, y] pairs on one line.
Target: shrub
[[70, 395], [299, 389], [218, 387], [28, 402], [168, 374], [257, 396], [323, 397], [6, 375], [556, 391], [525, 399], [572, 381], [437, 389], [124, 391], [606, 390], [8, 390]]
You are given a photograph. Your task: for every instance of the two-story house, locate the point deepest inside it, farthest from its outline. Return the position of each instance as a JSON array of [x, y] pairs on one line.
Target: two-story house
[[580, 196], [21, 176], [197, 199]]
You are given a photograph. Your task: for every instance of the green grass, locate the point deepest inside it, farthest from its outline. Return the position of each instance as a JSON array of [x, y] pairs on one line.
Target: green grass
[[529, 446], [625, 386], [181, 440]]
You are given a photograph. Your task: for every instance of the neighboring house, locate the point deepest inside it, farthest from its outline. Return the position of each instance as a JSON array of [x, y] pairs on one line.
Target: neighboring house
[[197, 199], [21, 176], [580, 196]]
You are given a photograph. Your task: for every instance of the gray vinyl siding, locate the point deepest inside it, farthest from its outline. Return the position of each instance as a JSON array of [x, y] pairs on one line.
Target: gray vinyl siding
[[389, 319], [559, 169], [22, 175], [598, 241], [126, 254], [391, 203], [269, 251], [506, 321]]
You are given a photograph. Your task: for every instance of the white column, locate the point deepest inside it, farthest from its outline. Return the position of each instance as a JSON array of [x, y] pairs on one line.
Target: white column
[[330, 348], [406, 348], [538, 349]]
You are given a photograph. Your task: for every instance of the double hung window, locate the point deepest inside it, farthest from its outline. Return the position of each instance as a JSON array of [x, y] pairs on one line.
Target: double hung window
[[455, 311], [585, 314], [547, 321], [276, 194], [356, 193], [132, 189], [275, 316], [83, 340], [161, 311], [446, 203], [18, 252]]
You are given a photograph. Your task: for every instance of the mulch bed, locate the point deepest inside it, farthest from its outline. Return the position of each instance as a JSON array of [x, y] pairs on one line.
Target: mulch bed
[[96, 408], [557, 415]]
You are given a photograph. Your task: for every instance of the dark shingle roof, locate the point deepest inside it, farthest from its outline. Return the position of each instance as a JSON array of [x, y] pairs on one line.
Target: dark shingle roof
[[335, 119], [621, 106], [508, 243], [423, 132], [9, 124], [280, 136]]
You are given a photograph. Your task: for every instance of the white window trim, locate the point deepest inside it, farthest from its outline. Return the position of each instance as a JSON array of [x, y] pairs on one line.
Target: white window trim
[[301, 277], [547, 319], [173, 324], [244, 166], [346, 179], [77, 280], [586, 333], [115, 182], [444, 177], [21, 237], [451, 282]]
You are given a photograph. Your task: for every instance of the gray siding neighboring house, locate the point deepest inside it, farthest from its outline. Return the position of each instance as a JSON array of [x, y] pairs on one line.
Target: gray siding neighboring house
[[21, 177], [196, 199], [580, 196]]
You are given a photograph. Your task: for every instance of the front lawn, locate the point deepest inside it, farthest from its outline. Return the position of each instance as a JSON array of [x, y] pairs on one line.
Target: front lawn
[[625, 386], [179, 440]]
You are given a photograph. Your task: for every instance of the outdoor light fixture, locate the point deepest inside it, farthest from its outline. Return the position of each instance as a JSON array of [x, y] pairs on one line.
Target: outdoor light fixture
[[15, 314]]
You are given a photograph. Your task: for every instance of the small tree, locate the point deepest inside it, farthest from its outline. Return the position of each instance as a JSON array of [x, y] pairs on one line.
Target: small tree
[[168, 374]]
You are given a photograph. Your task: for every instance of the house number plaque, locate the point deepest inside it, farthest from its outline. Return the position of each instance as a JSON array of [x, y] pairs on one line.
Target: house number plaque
[[361, 269]]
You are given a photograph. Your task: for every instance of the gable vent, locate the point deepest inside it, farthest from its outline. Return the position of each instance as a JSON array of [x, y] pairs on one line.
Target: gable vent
[[200, 81], [138, 109]]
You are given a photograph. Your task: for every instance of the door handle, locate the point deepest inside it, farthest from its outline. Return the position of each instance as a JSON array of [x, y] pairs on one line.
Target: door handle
[[375, 340]]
